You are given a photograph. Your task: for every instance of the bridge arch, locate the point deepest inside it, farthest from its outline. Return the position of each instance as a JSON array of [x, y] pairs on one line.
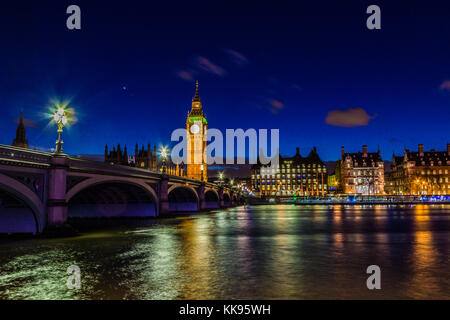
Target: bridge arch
[[112, 197], [30, 199], [212, 192], [183, 198], [211, 199], [226, 199]]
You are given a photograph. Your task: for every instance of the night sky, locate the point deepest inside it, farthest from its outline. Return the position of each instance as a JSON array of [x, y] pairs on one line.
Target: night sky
[[130, 72]]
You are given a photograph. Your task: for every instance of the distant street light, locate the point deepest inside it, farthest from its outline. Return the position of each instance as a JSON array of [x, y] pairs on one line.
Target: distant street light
[[60, 118], [163, 154], [220, 177], [202, 168]]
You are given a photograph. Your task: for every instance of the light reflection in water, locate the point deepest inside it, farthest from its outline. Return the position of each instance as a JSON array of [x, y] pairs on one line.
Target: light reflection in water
[[261, 252]]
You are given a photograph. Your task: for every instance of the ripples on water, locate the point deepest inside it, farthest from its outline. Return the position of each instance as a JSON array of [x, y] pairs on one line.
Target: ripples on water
[[261, 252]]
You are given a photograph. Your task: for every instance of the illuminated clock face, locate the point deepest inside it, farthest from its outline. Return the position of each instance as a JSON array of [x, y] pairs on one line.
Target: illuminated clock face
[[195, 129]]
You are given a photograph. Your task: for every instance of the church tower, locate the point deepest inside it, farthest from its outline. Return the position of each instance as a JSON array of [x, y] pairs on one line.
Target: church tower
[[20, 140], [196, 126]]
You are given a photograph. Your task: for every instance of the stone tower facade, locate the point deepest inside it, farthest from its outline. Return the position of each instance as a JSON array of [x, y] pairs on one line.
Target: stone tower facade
[[196, 126], [20, 140]]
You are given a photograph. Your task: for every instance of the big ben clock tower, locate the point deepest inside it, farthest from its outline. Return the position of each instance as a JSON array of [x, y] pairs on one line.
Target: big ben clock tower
[[196, 126]]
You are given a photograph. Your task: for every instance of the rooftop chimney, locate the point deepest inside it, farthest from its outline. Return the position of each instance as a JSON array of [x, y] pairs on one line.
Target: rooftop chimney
[[342, 152], [364, 151], [421, 150], [448, 149]]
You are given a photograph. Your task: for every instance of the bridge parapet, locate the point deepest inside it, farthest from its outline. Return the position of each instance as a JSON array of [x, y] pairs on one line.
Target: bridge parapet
[[23, 157], [89, 166]]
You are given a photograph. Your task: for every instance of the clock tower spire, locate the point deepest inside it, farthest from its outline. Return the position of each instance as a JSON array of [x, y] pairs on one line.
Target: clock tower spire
[[197, 96], [196, 126]]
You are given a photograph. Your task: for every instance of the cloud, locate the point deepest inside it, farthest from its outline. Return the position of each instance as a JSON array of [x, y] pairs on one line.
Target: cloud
[[27, 123], [185, 75], [208, 66], [445, 86], [237, 57], [276, 104], [348, 118]]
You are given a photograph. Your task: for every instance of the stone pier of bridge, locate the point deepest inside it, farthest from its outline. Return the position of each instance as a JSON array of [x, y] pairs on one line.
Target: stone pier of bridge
[[56, 202]]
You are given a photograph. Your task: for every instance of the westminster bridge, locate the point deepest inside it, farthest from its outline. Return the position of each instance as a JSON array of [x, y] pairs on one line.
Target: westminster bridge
[[43, 189]]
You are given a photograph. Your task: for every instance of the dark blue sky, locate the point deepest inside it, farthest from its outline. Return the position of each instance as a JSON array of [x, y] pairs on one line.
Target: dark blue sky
[[130, 71]]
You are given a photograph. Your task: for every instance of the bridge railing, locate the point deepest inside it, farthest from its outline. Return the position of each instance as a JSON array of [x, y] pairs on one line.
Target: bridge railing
[[97, 166], [21, 155]]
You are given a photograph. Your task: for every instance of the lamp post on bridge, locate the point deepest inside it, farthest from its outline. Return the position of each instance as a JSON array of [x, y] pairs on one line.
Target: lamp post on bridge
[[61, 119], [221, 176], [163, 153]]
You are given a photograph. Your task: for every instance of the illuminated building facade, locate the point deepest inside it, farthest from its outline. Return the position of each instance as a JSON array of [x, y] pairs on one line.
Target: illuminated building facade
[[196, 126], [389, 183], [421, 172], [333, 183], [294, 176], [361, 172]]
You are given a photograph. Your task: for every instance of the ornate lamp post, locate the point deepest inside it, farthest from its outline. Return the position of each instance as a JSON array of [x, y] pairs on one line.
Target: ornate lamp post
[[220, 178], [61, 120], [163, 153], [202, 168]]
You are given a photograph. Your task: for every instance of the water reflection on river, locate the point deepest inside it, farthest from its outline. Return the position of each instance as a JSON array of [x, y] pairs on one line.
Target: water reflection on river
[[261, 252]]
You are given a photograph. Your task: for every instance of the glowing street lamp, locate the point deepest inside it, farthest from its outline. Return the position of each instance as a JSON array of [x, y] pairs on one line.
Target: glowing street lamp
[[164, 153], [61, 119], [202, 168], [220, 177]]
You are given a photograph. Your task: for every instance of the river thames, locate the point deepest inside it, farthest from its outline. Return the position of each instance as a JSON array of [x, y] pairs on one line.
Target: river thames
[[259, 252]]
